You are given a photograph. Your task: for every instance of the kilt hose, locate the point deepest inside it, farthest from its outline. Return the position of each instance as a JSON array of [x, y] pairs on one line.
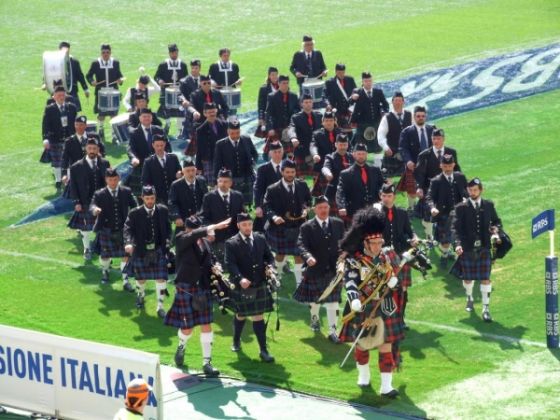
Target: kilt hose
[[283, 240], [183, 314], [394, 328], [473, 265], [311, 288], [257, 301], [152, 266], [82, 220], [208, 172], [134, 180], [442, 228], [245, 186], [407, 183], [55, 154], [109, 244]]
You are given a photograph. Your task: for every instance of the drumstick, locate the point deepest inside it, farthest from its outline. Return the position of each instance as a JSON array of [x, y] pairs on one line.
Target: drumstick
[[116, 81]]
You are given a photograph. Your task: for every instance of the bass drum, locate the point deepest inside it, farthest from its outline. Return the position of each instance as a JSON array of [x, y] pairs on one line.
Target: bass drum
[[56, 66]]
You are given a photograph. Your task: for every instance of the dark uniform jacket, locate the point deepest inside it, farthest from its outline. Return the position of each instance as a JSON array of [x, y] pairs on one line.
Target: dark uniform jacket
[[138, 229], [444, 196], [217, 73], [182, 202], [310, 68], [266, 176], [75, 149], [398, 232], [334, 96], [53, 131], [250, 263], [194, 262], [409, 142], [427, 166], [84, 180], [352, 194], [314, 242], [239, 160], [322, 145], [335, 164], [160, 177], [113, 211], [206, 140], [470, 226], [303, 131], [214, 210], [278, 112], [277, 203], [369, 110]]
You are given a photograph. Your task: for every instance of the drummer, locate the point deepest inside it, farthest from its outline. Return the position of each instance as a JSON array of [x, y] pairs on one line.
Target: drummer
[[225, 73], [308, 63], [168, 75], [105, 71], [143, 88], [188, 85]]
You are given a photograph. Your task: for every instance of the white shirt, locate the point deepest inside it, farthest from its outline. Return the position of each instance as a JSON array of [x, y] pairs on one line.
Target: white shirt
[[223, 194], [245, 237], [419, 131], [91, 162], [148, 210], [448, 177], [161, 160], [287, 186], [233, 142], [437, 150], [475, 202], [322, 221]]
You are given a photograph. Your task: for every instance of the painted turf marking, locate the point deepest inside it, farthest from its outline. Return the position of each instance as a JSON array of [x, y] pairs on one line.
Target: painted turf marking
[[517, 388]]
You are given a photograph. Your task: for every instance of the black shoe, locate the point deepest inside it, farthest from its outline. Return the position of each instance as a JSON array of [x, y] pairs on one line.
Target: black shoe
[[127, 287], [140, 302], [365, 386], [236, 347], [443, 261], [391, 394], [104, 277], [58, 186], [180, 355], [334, 338], [470, 305], [161, 313], [210, 370], [266, 357], [486, 317], [315, 324]]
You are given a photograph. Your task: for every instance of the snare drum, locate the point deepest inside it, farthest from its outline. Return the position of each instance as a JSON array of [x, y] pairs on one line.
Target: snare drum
[[172, 98], [315, 88], [91, 127], [108, 100], [232, 96], [119, 124]]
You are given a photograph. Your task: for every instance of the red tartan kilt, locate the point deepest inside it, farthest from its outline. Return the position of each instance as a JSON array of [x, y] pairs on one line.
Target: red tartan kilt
[[394, 329], [407, 183], [182, 315], [406, 276], [303, 167], [319, 185], [191, 147]]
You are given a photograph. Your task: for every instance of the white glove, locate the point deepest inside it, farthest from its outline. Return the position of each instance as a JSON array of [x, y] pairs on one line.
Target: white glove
[[356, 305], [407, 257], [392, 282]]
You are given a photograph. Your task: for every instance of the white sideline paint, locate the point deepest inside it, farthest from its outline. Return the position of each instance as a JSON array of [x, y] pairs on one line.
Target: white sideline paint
[[519, 388], [449, 328]]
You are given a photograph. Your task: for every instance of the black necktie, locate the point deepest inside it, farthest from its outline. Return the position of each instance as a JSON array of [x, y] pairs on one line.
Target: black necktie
[[450, 179], [325, 226], [423, 141], [291, 190], [439, 155], [477, 206], [249, 242], [114, 193], [150, 213], [278, 171], [226, 202]]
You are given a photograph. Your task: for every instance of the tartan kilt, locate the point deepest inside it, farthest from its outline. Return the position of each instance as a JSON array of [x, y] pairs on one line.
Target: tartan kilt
[[82, 220], [192, 146], [406, 276], [304, 166], [473, 265], [319, 185], [282, 138], [394, 329], [310, 289], [107, 246], [280, 243], [407, 183], [55, 154], [182, 314], [392, 165], [245, 186], [442, 229], [134, 180], [343, 121], [155, 271], [263, 302], [208, 172]]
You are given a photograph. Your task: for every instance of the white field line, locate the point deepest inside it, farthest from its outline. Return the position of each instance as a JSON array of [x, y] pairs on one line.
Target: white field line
[[448, 328], [525, 387]]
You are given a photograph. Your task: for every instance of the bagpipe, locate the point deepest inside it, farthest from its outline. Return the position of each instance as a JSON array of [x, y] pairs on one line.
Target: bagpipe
[[500, 244], [220, 287]]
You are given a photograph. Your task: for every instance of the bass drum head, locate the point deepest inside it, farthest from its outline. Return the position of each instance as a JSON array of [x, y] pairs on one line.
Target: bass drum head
[[56, 66]]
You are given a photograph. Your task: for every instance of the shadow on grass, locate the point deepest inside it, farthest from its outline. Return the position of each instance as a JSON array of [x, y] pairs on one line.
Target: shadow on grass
[[402, 407], [495, 328], [331, 354], [416, 343]]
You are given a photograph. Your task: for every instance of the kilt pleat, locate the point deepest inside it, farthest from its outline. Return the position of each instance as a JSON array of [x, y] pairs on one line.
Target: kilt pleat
[[108, 244], [146, 268], [182, 314], [473, 265], [82, 220], [311, 288], [261, 303], [280, 243]]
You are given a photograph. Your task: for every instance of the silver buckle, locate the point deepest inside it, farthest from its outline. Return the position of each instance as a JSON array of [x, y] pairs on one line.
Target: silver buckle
[[150, 246], [477, 243]]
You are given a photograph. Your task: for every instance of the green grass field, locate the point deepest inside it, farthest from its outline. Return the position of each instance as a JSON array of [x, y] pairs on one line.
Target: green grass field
[[454, 367]]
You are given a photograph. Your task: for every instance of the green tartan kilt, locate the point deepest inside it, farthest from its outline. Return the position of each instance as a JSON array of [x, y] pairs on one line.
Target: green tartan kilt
[[260, 302]]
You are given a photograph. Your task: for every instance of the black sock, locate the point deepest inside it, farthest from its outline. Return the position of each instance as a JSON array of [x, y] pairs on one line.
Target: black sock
[[260, 331], [238, 325]]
